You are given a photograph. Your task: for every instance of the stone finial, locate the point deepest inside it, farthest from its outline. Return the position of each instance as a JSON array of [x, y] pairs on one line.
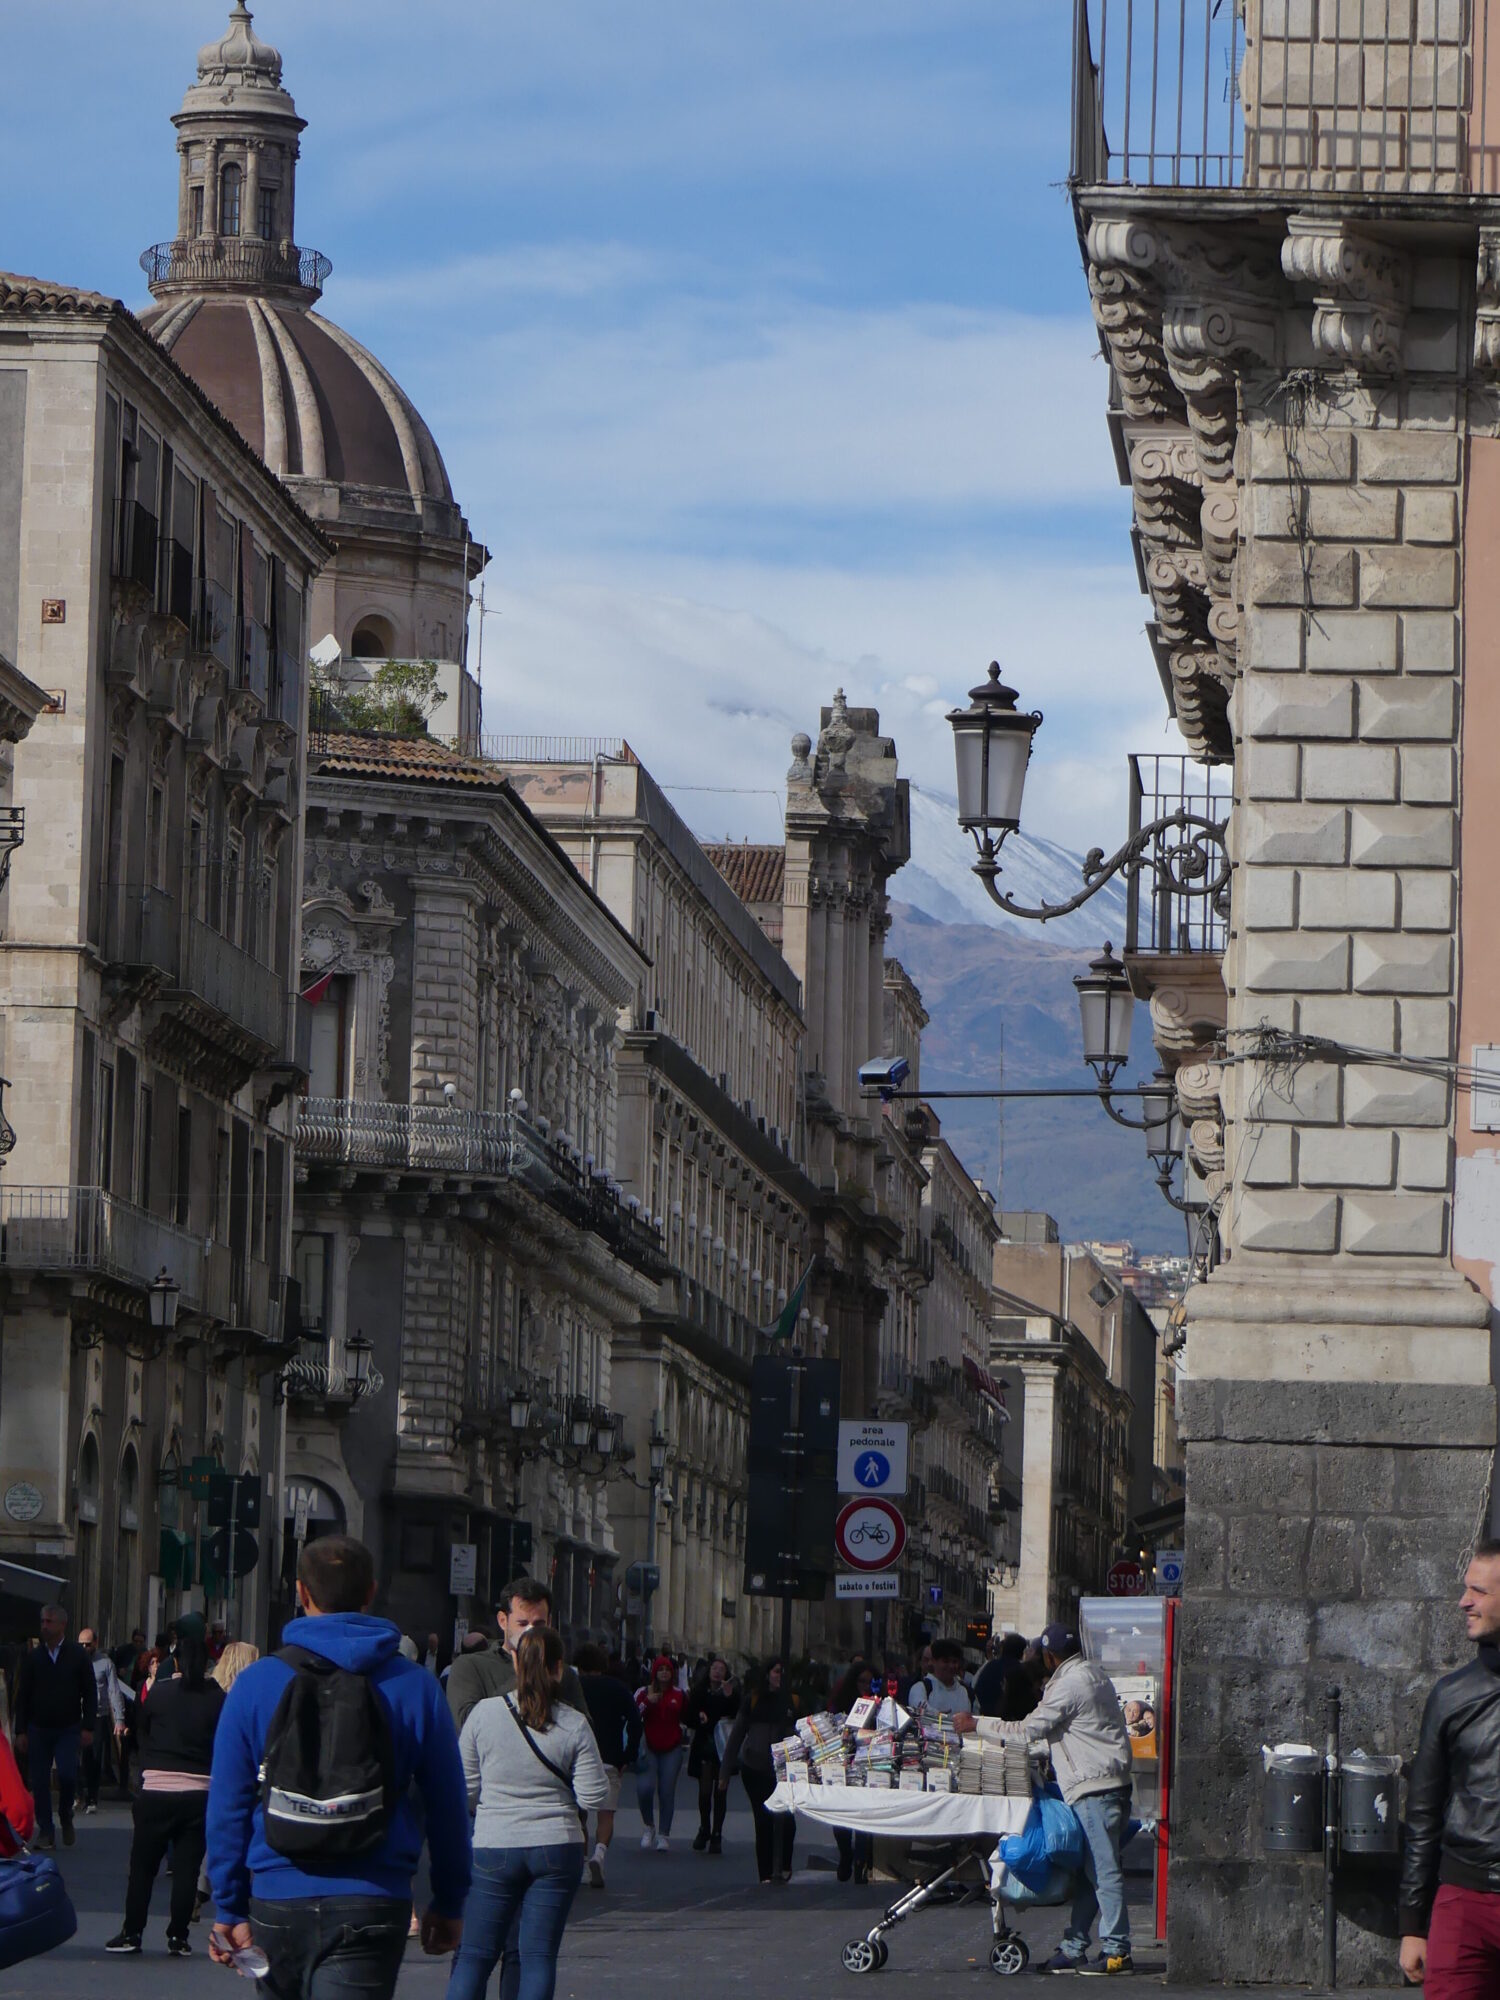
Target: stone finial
[[240, 49], [801, 767]]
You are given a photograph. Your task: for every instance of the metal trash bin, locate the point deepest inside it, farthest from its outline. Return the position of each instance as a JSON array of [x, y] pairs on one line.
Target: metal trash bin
[[1371, 1815], [1292, 1808]]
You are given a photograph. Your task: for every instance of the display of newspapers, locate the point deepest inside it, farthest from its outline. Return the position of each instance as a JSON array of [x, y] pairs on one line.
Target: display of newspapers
[[883, 1746]]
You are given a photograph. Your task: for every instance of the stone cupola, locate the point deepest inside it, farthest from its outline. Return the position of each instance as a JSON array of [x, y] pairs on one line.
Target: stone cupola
[[238, 137]]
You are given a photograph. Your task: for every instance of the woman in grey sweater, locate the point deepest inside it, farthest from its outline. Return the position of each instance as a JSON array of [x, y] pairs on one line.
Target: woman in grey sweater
[[531, 1764]]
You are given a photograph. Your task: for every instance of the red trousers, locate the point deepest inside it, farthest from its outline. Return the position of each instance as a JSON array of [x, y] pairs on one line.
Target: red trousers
[[1463, 1946]]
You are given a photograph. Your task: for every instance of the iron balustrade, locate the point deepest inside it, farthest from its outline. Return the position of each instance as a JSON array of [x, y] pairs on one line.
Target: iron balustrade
[[1162, 914], [1384, 98], [140, 928], [234, 260], [89, 1229], [233, 983]]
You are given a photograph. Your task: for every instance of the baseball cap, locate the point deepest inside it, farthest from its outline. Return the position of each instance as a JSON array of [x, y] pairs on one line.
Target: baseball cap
[[1058, 1639]]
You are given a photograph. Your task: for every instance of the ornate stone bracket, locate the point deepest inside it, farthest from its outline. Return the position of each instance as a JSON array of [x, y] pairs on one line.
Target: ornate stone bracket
[[1198, 1092], [1361, 289], [1487, 304]]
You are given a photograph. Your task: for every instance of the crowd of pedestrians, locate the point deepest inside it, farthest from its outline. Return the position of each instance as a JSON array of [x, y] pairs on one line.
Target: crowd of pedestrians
[[296, 1793]]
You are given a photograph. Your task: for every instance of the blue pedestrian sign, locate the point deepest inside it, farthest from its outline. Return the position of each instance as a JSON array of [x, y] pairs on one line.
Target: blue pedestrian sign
[[872, 1459]]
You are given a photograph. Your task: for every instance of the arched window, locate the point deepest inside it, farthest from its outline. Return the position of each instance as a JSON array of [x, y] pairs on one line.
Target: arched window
[[231, 183], [371, 641]]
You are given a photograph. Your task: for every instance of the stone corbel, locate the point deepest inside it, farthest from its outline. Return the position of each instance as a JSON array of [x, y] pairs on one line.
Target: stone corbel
[[1198, 1094], [1487, 304], [1200, 699], [1361, 290]]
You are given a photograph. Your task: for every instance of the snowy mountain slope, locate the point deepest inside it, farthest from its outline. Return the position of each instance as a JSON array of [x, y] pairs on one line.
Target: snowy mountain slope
[[939, 881]]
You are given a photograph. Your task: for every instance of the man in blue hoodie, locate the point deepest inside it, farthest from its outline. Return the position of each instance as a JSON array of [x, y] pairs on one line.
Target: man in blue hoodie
[[339, 1931]]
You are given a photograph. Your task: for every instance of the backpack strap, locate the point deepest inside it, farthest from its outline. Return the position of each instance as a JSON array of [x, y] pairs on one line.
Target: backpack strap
[[534, 1747], [303, 1656]]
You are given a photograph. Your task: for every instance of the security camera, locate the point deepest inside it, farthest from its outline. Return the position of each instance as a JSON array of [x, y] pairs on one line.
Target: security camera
[[885, 1074], [450, 1094]]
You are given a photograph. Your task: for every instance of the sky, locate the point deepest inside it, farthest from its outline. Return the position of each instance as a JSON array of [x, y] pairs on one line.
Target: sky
[[755, 338]]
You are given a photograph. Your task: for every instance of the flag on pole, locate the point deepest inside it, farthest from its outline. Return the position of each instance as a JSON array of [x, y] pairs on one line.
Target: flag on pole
[[313, 994], [784, 1326]]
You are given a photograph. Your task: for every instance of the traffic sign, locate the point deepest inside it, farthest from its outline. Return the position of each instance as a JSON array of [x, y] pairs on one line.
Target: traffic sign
[[867, 1586], [246, 1551], [1126, 1579], [231, 1498], [870, 1534], [872, 1458], [463, 1569], [1169, 1568]]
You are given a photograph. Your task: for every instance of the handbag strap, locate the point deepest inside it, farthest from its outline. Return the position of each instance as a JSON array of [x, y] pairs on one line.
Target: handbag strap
[[535, 1748]]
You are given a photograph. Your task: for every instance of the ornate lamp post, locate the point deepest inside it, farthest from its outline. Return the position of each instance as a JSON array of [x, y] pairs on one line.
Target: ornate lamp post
[[657, 1450], [162, 1297]]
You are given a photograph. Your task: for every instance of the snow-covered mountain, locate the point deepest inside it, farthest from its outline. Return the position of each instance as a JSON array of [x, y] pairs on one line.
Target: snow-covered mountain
[[939, 881]]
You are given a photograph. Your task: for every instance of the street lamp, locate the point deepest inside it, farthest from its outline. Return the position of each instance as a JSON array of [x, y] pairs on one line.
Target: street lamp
[[581, 1425], [606, 1429], [1105, 1005], [358, 1348], [658, 1450], [162, 1297], [992, 746], [520, 1408]]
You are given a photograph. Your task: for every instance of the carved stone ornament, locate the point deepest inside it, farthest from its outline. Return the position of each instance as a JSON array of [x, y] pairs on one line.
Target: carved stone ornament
[[1361, 290], [1487, 304]]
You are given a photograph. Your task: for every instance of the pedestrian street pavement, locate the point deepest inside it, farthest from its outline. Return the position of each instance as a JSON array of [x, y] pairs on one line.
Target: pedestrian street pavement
[[679, 1926]]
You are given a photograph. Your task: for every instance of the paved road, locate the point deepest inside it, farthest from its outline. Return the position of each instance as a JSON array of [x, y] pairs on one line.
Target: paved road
[[680, 1926]]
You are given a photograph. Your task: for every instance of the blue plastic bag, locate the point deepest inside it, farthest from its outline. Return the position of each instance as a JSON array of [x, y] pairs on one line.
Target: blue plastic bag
[[1057, 1885], [1050, 1838]]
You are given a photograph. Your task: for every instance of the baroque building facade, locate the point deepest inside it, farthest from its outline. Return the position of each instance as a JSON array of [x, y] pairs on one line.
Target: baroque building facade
[[1300, 313], [709, 1143], [149, 959], [456, 1205]]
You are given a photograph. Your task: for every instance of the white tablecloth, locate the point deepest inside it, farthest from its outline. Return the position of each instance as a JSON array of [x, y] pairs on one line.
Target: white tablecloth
[[903, 1815]]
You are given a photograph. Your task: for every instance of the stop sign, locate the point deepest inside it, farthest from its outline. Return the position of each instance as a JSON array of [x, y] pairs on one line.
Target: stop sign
[[1126, 1579]]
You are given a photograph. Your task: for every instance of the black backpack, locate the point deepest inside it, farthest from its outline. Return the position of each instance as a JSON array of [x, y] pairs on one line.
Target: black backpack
[[328, 1771]]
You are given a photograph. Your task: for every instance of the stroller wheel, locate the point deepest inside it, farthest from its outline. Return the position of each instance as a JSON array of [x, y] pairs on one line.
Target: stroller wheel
[[882, 1951], [1009, 1955], [860, 1955]]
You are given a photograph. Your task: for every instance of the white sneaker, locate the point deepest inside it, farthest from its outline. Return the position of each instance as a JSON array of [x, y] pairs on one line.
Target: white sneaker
[[647, 1840], [662, 1843], [596, 1869]]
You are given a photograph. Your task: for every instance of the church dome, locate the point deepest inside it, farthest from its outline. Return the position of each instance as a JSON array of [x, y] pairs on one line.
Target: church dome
[[239, 52], [305, 394]]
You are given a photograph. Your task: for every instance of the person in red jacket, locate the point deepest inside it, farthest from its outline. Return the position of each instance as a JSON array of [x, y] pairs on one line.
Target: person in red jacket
[[661, 1704], [15, 1803]]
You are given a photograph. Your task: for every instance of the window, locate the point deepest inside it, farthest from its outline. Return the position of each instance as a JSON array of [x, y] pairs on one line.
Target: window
[[181, 1193], [233, 870], [195, 211], [156, 819], [258, 1204], [266, 217], [372, 640], [330, 1038], [106, 1123], [143, 1153], [310, 1268], [231, 182]]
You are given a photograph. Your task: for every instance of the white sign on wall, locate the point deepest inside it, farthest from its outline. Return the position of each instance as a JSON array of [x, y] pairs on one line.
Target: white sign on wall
[[463, 1569]]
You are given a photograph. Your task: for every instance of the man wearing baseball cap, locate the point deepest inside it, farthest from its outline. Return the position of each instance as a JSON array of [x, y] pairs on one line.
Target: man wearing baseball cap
[[1080, 1719]]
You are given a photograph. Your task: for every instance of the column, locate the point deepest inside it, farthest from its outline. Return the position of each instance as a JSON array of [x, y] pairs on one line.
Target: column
[[211, 188], [184, 202], [1034, 1585], [250, 220]]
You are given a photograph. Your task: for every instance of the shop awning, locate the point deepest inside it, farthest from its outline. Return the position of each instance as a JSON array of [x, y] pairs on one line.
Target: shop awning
[[36, 1585]]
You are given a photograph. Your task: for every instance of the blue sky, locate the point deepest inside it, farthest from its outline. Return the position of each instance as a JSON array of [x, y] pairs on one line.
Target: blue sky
[[755, 338]]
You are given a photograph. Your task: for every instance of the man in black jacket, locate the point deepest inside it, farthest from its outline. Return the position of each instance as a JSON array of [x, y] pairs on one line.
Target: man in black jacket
[[1450, 1884], [56, 1705]]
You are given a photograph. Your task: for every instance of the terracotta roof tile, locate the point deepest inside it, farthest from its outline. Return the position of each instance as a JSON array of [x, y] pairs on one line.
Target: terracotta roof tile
[[754, 873], [370, 756], [28, 295]]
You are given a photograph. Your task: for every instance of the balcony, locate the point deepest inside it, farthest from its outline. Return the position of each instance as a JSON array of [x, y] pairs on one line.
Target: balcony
[[286, 688], [255, 661], [215, 633], [177, 585], [140, 929], [84, 1229], [1162, 916], [1229, 95], [234, 984], [245, 263], [493, 1145]]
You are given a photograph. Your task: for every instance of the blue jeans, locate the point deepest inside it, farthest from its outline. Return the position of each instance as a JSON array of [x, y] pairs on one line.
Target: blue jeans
[[44, 1747], [329, 1947], [657, 1773], [1103, 1817], [519, 1904]]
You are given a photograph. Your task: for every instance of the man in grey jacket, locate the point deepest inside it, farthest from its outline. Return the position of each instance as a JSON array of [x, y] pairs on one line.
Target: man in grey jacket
[[474, 1677], [1079, 1717]]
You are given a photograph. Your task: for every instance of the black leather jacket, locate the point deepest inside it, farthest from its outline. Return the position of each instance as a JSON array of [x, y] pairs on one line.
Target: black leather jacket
[[1453, 1799]]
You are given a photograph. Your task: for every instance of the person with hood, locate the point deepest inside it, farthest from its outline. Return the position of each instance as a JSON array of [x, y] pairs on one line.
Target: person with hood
[[1079, 1717], [661, 1703], [713, 1701], [337, 1926], [767, 1713], [177, 1728]]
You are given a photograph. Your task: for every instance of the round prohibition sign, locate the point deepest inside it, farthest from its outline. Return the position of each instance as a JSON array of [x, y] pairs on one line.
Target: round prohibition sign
[[870, 1533]]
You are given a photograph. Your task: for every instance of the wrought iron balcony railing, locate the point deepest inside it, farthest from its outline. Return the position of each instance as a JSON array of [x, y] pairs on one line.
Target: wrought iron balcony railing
[[1161, 912], [86, 1229], [234, 984], [1370, 96], [239, 262]]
